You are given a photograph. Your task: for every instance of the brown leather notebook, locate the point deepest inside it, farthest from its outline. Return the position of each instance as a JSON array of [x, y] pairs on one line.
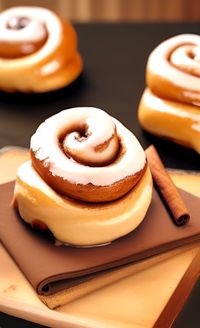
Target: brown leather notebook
[[50, 268]]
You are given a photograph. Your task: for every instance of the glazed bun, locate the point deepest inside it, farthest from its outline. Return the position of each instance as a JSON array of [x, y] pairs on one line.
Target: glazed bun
[[170, 104], [88, 181], [38, 51]]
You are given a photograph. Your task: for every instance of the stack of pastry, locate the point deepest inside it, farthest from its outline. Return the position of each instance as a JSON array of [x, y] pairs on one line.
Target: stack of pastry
[[38, 50], [88, 180], [170, 104]]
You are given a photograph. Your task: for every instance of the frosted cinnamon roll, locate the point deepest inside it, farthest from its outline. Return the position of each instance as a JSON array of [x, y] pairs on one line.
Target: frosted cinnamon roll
[[38, 50], [170, 105], [88, 181]]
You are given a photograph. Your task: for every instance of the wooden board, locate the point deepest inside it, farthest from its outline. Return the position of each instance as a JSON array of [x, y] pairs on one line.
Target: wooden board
[[147, 285]]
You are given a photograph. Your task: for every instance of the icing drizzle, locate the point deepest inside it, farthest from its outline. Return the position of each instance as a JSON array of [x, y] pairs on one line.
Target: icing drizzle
[[107, 150], [178, 60]]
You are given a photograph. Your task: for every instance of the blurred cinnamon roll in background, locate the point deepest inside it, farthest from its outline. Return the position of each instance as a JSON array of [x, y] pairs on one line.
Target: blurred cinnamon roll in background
[[88, 181], [170, 105], [38, 51]]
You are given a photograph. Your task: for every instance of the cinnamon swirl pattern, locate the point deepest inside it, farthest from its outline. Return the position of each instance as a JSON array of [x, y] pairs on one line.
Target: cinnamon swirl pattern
[[170, 104], [88, 180], [38, 50]]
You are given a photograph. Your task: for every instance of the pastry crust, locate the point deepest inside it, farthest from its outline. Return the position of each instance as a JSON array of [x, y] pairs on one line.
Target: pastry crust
[[169, 119], [78, 223], [54, 61], [169, 106], [89, 192]]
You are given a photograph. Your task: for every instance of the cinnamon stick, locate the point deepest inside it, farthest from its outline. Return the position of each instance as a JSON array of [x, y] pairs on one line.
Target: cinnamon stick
[[167, 187]]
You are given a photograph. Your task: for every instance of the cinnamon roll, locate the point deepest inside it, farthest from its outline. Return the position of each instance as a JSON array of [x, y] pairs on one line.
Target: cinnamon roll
[[170, 104], [38, 51], [88, 180]]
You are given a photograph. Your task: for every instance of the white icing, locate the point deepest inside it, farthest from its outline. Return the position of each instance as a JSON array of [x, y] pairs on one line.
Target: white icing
[[38, 16], [100, 129], [181, 59], [45, 145], [160, 64], [34, 31]]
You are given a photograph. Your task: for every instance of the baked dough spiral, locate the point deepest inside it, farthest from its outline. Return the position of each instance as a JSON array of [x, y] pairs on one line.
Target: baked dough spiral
[[85, 154], [88, 181], [38, 50], [170, 105]]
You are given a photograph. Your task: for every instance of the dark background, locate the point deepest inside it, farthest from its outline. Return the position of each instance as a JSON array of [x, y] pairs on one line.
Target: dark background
[[114, 57]]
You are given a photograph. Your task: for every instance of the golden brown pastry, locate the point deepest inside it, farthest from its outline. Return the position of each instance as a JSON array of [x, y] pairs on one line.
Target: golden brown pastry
[[170, 104], [38, 51], [88, 181]]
